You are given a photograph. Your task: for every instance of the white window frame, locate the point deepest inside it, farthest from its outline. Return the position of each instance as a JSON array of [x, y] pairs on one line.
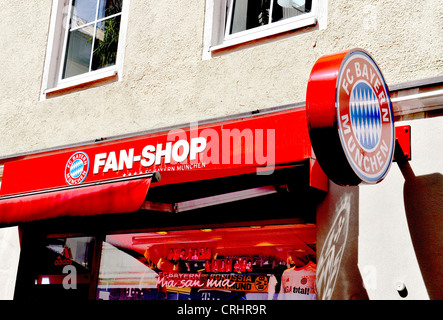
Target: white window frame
[[215, 16], [52, 81]]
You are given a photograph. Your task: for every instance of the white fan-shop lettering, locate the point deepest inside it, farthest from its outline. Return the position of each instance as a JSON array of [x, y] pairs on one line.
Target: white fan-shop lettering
[[151, 154], [229, 146]]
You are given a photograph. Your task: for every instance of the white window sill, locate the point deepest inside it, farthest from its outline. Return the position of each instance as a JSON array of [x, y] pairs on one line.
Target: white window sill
[[83, 80]]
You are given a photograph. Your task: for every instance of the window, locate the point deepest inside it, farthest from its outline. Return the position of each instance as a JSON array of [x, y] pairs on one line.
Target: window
[[245, 14], [258, 262], [243, 263], [233, 22], [85, 43], [92, 36], [63, 268]]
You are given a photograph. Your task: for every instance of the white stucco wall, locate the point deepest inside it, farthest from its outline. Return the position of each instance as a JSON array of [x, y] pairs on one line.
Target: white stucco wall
[[9, 257], [386, 253], [165, 81]]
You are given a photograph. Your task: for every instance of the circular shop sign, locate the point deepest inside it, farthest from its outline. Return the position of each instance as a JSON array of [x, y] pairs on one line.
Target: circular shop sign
[[350, 118], [77, 168]]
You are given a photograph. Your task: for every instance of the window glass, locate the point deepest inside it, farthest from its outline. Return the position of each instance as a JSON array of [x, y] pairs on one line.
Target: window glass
[[285, 9], [93, 36], [83, 12], [76, 250], [106, 42], [247, 263], [108, 8], [64, 268], [78, 52], [249, 14]]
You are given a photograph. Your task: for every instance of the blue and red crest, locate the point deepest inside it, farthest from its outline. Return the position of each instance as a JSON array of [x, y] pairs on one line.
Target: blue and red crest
[[365, 119], [77, 168], [350, 118]]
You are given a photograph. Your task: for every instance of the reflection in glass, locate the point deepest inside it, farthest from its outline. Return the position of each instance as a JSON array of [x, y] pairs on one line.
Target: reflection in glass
[[107, 8], [62, 269], [124, 277], [106, 43], [220, 264], [83, 12], [78, 52], [295, 8], [249, 14]]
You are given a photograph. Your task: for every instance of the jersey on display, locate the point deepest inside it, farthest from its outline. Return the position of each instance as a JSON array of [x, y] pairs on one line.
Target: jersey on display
[[299, 283]]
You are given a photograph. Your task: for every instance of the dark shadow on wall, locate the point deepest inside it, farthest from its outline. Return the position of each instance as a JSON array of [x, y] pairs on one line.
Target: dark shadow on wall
[[423, 197]]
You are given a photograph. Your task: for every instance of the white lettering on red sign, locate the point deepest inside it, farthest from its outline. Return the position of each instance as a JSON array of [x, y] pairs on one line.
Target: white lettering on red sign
[[169, 152]]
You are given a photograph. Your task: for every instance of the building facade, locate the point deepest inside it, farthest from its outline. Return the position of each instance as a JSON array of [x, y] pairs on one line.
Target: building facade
[[86, 74]]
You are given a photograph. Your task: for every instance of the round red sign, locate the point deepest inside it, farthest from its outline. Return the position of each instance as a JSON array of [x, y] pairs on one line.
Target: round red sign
[[77, 168], [350, 118]]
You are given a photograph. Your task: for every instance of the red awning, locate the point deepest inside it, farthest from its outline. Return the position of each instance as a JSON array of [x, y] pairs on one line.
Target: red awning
[[108, 197]]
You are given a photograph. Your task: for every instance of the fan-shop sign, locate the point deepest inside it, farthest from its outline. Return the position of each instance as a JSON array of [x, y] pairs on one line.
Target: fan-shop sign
[[249, 146], [178, 153], [170, 153], [160, 155], [350, 118]]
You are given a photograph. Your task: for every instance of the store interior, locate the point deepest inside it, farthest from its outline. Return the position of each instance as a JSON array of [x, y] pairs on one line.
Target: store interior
[[235, 249]]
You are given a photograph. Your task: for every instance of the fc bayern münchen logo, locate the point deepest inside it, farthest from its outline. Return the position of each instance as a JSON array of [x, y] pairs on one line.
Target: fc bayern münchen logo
[[77, 168], [365, 119]]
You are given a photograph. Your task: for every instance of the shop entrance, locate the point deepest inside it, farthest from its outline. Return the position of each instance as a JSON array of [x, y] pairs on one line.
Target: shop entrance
[[256, 262], [259, 246], [241, 263]]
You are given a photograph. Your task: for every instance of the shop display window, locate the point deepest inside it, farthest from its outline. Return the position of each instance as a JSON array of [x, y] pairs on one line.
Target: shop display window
[[64, 268], [241, 263]]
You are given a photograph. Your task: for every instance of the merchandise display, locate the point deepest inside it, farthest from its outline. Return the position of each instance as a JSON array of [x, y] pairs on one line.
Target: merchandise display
[[299, 283], [257, 276], [242, 263], [225, 264]]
